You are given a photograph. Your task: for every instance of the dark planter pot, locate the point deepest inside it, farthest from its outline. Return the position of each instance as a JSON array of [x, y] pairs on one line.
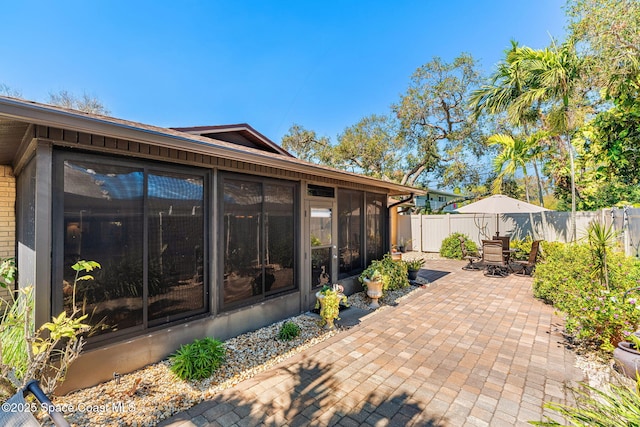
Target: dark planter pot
[[627, 359], [413, 274]]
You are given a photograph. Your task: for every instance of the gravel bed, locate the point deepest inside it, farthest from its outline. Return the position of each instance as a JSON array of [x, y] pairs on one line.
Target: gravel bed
[[152, 394]]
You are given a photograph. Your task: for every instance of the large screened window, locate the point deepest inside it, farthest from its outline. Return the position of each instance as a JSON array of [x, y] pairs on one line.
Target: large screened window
[[145, 226], [376, 209], [259, 224], [361, 230], [350, 223]]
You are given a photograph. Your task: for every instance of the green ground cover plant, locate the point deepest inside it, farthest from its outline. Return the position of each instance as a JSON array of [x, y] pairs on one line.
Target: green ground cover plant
[[288, 331], [198, 360]]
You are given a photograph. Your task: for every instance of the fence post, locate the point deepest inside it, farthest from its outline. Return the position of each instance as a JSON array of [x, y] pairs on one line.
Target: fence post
[[625, 230]]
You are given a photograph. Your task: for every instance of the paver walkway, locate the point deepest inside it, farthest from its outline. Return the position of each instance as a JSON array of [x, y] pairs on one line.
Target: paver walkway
[[466, 351]]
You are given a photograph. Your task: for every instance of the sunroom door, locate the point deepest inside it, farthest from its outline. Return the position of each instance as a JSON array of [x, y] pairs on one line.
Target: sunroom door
[[322, 254]]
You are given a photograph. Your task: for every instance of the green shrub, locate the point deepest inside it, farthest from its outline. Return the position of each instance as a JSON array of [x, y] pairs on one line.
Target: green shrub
[[562, 269], [288, 331], [521, 248], [45, 353], [594, 313], [198, 359], [451, 246], [393, 273]]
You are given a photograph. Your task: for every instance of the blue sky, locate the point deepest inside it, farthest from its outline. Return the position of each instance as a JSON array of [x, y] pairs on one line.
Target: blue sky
[[321, 64]]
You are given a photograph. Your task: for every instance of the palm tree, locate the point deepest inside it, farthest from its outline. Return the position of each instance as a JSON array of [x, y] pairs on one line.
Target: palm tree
[[516, 154], [530, 80], [552, 78], [507, 84]]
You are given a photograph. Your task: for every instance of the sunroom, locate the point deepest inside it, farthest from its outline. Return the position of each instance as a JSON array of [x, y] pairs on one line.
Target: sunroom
[[208, 231]]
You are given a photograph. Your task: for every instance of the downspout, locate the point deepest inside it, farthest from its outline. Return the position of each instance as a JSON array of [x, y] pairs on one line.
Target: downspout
[[410, 198], [393, 226]]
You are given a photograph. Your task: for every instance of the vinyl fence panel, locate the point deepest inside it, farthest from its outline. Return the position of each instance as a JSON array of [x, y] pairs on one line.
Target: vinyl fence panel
[[426, 232]]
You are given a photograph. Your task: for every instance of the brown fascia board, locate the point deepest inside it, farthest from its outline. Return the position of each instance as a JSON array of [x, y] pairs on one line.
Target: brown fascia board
[[257, 136], [46, 115]]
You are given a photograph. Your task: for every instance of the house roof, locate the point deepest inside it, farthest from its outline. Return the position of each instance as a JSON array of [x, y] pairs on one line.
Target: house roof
[[240, 133], [16, 115]]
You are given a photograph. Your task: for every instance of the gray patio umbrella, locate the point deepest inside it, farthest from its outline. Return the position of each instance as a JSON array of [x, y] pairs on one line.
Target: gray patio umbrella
[[500, 204]]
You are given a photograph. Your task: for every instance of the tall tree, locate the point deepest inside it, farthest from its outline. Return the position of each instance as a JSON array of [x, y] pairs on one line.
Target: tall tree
[[435, 120], [543, 84], [609, 31], [506, 84], [371, 147], [499, 96], [86, 103], [306, 145], [553, 78]]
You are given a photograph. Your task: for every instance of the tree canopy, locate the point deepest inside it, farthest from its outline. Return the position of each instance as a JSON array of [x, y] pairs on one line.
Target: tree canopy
[[86, 103], [430, 134], [569, 112]]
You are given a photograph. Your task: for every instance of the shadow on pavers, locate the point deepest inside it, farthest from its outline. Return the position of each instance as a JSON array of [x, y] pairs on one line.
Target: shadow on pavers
[[432, 275], [312, 401]]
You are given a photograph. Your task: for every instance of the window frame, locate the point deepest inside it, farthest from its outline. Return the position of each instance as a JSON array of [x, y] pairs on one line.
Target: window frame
[[364, 223], [58, 218], [264, 296]]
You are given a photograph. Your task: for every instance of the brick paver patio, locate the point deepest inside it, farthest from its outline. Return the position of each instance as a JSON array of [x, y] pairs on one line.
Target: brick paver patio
[[466, 351]]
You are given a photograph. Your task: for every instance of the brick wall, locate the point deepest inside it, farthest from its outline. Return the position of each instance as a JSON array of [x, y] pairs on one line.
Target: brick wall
[[7, 216]]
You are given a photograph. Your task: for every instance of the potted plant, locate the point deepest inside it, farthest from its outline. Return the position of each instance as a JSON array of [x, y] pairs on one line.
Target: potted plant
[[371, 279], [413, 266], [402, 247], [382, 275], [328, 301]]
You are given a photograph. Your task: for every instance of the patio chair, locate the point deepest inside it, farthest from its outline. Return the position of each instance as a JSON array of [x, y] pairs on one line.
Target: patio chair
[[527, 267], [15, 415], [474, 258], [494, 259], [506, 242]]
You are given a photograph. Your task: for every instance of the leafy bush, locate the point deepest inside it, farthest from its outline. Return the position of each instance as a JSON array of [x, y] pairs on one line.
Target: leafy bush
[[392, 273], [197, 360], [563, 267], [521, 248], [46, 353], [451, 246], [288, 331], [570, 280]]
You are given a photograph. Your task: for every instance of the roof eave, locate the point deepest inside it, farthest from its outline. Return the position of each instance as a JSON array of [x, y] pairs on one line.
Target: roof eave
[[81, 122]]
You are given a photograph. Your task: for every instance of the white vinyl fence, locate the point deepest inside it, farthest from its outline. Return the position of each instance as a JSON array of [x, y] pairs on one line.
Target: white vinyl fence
[[425, 233]]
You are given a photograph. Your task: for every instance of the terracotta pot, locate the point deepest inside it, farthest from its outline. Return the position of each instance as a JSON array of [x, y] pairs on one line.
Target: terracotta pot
[[374, 291]]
